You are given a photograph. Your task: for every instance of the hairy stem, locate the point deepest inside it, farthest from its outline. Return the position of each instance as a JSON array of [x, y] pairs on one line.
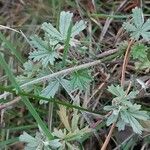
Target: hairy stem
[[56, 74]]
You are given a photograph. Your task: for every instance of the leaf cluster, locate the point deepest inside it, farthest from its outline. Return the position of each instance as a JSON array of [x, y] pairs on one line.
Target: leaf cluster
[[46, 57], [137, 27], [63, 137], [124, 111], [47, 49]]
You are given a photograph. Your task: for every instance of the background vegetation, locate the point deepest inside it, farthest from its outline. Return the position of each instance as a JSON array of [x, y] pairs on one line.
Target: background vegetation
[[74, 74]]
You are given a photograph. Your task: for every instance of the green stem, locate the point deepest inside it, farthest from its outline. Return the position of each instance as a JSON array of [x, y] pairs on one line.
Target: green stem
[[56, 101]]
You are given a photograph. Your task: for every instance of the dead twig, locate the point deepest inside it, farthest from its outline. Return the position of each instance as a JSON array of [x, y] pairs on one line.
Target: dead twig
[[107, 53], [6, 105], [108, 137], [125, 62]]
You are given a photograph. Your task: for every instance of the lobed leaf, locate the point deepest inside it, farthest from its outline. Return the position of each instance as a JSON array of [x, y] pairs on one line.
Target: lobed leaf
[[31, 142], [50, 90], [111, 119], [120, 124], [51, 31], [44, 53], [128, 118], [137, 28], [137, 16], [64, 23], [78, 27], [116, 90], [80, 79]]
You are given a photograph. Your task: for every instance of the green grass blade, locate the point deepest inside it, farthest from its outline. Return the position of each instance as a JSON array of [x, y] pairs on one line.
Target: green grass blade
[[56, 101], [20, 128], [25, 100], [11, 48]]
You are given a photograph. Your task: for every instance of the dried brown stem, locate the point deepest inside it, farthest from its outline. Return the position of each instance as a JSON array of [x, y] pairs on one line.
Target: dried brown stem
[[108, 137], [107, 53], [125, 62], [6, 105], [129, 87]]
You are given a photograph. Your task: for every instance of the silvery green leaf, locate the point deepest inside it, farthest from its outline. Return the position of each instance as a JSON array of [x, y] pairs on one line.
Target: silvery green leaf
[[137, 128], [146, 35], [146, 26], [128, 118], [28, 66], [64, 23], [127, 103], [63, 147], [111, 119], [51, 89], [24, 79], [51, 41], [78, 27], [31, 142], [121, 125], [132, 95], [31, 68], [135, 107], [138, 18], [40, 146], [53, 36], [109, 108], [44, 53], [117, 90], [44, 56], [142, 115], [47, 148], [66, 84], [54, 144], [137, 28], [25, 137], [29, 148], [129, 27], [38, 43], [124, 116], [116, 112], [51, 31]]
